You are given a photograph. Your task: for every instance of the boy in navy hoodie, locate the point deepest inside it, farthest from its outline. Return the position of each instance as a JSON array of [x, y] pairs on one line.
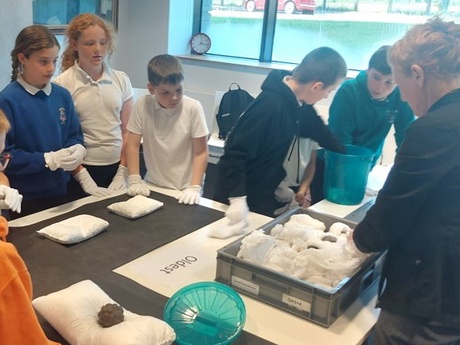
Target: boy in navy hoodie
[[251, 167]]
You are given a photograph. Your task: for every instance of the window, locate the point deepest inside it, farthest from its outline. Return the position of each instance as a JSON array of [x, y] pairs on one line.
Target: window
[[56, 14], [255, 29]]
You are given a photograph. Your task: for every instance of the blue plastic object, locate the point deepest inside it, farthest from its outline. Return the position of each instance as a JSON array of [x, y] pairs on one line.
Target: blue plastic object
[[205, 313], [345, 175]]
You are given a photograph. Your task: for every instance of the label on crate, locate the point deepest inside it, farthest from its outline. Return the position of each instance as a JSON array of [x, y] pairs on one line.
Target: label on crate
[[296, 303], [243, 284]]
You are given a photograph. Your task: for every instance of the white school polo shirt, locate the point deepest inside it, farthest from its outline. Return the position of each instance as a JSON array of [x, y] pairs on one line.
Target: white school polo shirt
[[168, 139], [98, 105], [296, 161]]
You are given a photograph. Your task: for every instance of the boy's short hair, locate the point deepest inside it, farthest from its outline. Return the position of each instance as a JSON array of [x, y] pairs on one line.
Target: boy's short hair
[[322, 64], [379, 60], [165, 69], [4, 123]]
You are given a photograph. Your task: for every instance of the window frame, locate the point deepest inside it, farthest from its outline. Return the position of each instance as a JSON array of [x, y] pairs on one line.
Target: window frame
[[60, 29], [268, 27], [268, 45]]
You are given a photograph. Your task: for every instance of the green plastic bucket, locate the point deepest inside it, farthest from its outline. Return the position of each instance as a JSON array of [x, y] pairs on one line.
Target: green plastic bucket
[[345, 175], [205, 313]]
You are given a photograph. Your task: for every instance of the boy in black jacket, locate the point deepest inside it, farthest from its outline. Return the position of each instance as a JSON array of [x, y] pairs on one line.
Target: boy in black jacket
[[251, 167]]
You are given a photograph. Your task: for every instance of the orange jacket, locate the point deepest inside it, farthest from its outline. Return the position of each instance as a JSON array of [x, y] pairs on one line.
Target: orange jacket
[[18, 322]]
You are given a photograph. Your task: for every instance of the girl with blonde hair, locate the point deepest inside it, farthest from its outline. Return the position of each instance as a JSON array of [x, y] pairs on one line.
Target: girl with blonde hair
[[103, 100]]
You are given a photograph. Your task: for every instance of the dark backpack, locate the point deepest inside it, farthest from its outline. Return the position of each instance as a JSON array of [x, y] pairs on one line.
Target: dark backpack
[[234, 102]]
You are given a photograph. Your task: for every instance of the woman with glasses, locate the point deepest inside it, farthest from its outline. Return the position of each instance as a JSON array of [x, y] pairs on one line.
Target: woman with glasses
[[416, 216]]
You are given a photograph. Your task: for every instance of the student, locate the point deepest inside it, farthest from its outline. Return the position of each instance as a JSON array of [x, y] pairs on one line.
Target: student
[[363, 111], [45, 137], [174, 132], [103, 99], [18, 321], [416, 216], [251, 167], [9, 197]]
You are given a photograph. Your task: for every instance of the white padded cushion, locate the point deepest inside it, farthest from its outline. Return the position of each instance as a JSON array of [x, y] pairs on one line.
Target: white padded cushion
[[73, 313], [74, 229], [135, 207]]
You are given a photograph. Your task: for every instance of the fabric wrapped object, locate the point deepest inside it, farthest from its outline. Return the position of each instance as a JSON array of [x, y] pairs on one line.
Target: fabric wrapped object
[[73, 312], [135, 207], [75, 229]]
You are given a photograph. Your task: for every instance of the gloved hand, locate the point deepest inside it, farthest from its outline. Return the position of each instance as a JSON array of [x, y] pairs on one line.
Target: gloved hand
[[190, 195], [10, 199], [120, 180], [88, 185], [67, 159], [136, 186], [53, 158], [238, 210], [77, 154], [229, 230], [283, 193]]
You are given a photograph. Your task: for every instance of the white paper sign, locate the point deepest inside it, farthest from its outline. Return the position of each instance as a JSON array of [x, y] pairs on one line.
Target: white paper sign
[[173, 267]]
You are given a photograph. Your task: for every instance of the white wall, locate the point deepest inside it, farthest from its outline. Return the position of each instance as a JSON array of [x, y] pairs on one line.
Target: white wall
[[14, 15], [142, 34]]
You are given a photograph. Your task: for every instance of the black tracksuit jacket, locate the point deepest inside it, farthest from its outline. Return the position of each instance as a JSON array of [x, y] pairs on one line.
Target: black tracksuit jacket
[[252, 163]]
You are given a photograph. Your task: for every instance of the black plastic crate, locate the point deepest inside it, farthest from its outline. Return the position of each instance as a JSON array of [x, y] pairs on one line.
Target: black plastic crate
[[315, 303]]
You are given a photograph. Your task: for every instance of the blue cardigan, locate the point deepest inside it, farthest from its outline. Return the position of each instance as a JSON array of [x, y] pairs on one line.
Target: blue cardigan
[[39, 124]]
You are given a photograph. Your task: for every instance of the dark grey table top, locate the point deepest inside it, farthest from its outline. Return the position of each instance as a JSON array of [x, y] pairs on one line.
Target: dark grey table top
[[55, 266]]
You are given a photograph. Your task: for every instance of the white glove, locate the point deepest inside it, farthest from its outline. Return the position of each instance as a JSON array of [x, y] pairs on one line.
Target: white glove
[[136, 186], [67, 159], [10, 199], [238, 210], [77, 154], [88, 185], [190, 195], [53, 159], [229, 230], [120, 180], [283, 193]]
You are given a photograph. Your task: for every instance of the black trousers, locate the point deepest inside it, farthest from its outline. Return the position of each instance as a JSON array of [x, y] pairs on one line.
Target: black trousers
[[395, 329]]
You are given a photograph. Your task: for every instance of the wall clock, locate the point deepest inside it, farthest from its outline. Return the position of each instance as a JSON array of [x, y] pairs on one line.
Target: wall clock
[[200, 43]]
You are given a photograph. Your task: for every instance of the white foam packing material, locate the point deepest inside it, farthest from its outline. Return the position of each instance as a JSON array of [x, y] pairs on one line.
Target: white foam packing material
[[296, 248]]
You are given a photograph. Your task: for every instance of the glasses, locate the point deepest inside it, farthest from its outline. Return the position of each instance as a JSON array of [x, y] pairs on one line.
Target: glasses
[[4, 160]]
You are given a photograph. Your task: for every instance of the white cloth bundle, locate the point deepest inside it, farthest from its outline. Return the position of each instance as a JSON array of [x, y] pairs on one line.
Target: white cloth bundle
[[135, 207], [74, 229], [73, 312]]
